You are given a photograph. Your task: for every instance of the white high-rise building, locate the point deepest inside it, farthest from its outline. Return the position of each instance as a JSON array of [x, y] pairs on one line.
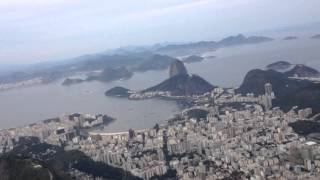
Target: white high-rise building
[[268, 89]]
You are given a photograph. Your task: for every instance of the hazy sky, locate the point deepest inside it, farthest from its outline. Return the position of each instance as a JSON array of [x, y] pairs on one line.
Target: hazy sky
[[41, 30]]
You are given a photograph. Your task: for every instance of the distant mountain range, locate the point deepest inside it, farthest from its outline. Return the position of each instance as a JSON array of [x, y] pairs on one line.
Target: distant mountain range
[[155, 57], [180, 83], [202, 46], [107, 75], [291, 70]]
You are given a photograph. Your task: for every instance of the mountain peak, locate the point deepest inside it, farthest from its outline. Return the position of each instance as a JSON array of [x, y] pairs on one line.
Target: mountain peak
[[279, 65], [183, 85], [301, 70], [176, 68]]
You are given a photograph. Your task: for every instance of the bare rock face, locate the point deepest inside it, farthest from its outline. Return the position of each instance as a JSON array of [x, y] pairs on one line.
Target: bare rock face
[[177, 68], [183, 85], [301, 70]]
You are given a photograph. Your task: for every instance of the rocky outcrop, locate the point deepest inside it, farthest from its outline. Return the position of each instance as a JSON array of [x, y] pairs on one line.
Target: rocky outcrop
[[177, 68], [183, 85], [280, 65], [301, 70]]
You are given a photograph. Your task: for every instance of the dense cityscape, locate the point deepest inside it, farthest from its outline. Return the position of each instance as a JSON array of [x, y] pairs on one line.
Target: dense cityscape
[[159, 90], [242, 137]]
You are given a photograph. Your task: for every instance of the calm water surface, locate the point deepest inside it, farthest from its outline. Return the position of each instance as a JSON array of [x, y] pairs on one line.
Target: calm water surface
[[232, 64], [27, 105]]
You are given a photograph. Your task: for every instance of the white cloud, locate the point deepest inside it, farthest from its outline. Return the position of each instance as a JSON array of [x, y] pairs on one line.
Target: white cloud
[[7, 3], [215, 4], [67, 25]]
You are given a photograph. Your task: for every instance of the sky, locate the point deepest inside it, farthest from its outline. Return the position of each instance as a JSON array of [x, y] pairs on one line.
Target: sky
[[44, 30]]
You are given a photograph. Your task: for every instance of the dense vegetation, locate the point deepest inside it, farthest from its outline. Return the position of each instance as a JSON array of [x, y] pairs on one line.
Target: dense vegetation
[[16, 168], [118, 92], [305, 127], [59, 161], [197, 114]]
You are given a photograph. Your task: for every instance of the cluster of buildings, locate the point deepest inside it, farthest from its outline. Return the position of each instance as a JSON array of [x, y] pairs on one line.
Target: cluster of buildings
[[249, 140], [56, 131], [313, 79], [220, 97], [250, 143], [150, 94]]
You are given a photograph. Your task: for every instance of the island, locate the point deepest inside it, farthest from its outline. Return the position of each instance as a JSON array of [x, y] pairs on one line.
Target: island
[[70, 81], [107, 75], [118, 92], [288, 38], [182, 85], [204, 46], [193, 59], [111, 74], [241, 39], [317, 36]]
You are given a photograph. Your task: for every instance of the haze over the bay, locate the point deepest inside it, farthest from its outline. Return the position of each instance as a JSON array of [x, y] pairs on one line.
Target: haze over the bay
[[41, 30]]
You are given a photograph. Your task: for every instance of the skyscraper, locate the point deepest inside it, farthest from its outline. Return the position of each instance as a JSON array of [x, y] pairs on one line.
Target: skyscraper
[[268, 89], [269, 95]]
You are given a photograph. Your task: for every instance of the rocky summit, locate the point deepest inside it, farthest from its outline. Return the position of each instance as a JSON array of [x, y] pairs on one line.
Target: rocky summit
[[301, 70], [183, 85], [177, 68]]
